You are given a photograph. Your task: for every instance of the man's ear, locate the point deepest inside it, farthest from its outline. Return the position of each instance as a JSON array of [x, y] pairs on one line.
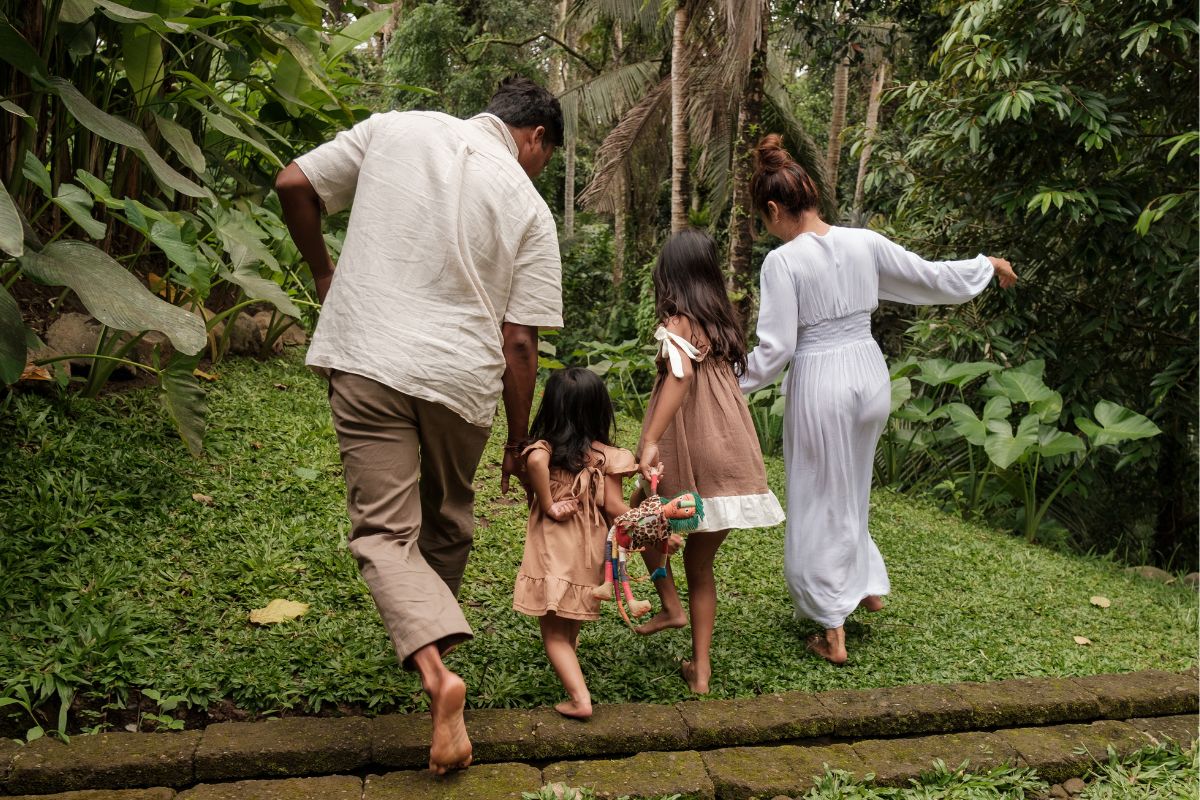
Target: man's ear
[[539, 136]]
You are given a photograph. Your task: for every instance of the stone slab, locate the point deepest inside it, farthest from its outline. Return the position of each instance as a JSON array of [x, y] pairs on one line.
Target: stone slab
[[741, 773], [755, 720], [897, 710], [646, 775], [503, 734], [1059, 752], [896, 761], [1027, 701], [616, 729], [8, 749], [104, 761], [1181, 728], [401, 741], [332, 787], [1142, 694], [157, 793], [480, 782], [293, 746]]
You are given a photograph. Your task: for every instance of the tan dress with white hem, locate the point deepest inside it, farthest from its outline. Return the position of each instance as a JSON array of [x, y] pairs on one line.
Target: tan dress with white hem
[[711, 446], [564, 561]]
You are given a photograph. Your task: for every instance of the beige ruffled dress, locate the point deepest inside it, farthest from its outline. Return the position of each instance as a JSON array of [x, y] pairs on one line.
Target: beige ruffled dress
[[711, 446], [564, 561]]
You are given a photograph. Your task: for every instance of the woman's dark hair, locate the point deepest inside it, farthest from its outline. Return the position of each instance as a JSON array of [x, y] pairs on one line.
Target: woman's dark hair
[[521, 103], [688, 282], [575, 412], [778, 177]]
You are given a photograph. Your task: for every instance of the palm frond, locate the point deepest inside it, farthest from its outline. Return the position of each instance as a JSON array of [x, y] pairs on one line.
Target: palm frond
[[778, 115], [641, 126], [744, 26], [602, 99], [643, 14]]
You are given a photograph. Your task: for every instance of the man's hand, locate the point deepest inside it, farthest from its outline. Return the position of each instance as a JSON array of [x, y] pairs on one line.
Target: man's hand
[[1004, 272], [513, 465]]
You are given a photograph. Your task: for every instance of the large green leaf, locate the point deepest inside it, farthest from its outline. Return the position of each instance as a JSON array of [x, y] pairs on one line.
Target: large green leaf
[[169, 240], [901, 392], [78, 205], [307, 61], [12, 233], [936, 371], [37, 174], [230, 128], [112, 294], [123, 132], [183, 398], [73, 12], [181, 142], [1019, 386], [1005, 449], [122, 13], [142, 53], [257, 287], [21, 54], [356, 33], [1116, 424], [966, 424], [920, 409], [1052, 442], [13, 335]]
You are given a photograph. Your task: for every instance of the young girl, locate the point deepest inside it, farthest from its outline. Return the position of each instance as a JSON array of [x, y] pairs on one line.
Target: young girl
[[698, 428], [576, 478]]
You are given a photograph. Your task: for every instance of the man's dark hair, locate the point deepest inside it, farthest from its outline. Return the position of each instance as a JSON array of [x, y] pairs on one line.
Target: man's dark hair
[[521, 103]]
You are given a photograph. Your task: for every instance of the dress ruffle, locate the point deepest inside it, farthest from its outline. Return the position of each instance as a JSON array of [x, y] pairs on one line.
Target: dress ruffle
[[537, 596], [741, 511]]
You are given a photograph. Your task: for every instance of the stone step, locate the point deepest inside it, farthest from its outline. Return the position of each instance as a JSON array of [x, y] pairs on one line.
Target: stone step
[[306, 746]]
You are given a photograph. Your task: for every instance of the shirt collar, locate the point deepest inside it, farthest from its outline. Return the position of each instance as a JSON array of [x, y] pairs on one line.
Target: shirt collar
[[497, 127]]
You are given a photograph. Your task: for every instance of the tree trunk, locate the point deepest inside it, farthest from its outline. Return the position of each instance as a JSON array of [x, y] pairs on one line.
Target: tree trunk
[[741, 214], [837, 122], [559, 80], [618, 269], [679, 130], [877, 83]]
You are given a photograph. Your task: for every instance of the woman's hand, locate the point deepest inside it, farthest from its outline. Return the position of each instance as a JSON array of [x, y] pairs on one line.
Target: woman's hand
[[1004, 272], [563, 510], [650, 465]]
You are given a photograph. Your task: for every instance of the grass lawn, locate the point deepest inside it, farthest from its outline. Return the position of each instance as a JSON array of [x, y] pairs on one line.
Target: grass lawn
[[113, 578]]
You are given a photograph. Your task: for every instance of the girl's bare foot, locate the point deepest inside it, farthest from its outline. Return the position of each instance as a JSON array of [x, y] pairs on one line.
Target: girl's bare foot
[[576, 709], [661, 621], [697, 681], [451, 747], [871, 602], [834, 652]]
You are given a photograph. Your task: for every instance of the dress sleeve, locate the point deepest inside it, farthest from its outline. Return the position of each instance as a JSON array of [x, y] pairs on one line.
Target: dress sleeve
[[619, 461], [333, 168], [905, 277], [674, 348], [778, 318], [540, 444]]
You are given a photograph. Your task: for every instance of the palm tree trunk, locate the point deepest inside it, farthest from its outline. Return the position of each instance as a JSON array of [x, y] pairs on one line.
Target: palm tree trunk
[[618, 268], [559, 79], [837, 122], [872, 125], [741, 215], [679, 130]]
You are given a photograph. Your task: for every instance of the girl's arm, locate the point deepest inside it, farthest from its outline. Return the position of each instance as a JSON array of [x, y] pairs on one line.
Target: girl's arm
[[537, 464], [670, 398]]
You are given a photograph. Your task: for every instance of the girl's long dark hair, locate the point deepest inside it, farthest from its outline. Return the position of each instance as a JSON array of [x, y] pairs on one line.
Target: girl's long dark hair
[[575, 412], [688, 282]]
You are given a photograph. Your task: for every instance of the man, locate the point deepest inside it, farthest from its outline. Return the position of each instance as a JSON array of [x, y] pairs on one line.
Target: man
[[449, 267]]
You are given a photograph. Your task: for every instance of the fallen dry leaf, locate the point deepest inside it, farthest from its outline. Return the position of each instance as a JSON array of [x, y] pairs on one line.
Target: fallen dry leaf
[[277, 611], [208, 376], [33, 372], [281, 387], [202, 499], [1101, 601], [1082, 640], [256, 445]]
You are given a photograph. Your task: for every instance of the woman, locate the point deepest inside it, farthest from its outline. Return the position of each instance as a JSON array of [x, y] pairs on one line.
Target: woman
[[818, 291]]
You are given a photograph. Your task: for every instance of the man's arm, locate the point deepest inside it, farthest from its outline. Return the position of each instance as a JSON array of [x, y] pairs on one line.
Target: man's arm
[[302, 212], [520, 373]]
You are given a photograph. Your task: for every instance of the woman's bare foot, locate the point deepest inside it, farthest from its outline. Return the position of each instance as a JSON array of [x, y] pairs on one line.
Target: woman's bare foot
[[451, 747], [871, 602], [661, 621], [832, 651], [576, 709], [697, 681]]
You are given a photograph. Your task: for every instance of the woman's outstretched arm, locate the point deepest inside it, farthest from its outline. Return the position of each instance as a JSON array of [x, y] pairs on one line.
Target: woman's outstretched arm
[[778, 320], [905, 277]]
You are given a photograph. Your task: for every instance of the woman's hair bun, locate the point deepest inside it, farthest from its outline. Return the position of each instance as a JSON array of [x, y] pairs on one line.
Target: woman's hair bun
[[769, 155]]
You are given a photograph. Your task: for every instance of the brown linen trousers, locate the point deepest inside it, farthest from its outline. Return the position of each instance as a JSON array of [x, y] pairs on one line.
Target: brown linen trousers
[[409, 465]]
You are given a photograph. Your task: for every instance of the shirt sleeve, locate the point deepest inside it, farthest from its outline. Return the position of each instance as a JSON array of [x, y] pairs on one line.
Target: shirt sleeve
[[905, 277], [333, 167], [536, 294], [778, 318]]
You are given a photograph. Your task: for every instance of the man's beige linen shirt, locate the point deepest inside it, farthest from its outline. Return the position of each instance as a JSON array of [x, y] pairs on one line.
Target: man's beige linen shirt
[[447, 239]]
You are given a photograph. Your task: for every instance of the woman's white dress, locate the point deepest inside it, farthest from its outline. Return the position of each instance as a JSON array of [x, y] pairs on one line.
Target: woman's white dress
[[817, 296]]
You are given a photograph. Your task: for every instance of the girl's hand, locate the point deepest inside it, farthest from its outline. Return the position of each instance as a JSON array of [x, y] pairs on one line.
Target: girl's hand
[[1004, 272], [563, 510], [674, 542], [650, 465]]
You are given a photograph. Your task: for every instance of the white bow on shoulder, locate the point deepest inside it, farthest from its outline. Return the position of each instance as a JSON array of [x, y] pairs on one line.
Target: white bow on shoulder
[[672, 344]]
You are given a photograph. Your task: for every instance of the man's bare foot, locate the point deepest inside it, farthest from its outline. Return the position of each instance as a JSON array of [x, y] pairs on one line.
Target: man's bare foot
[[696, 681], [871, 602], [576, 709], [660, 622], [833, 653], [451, 748]]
